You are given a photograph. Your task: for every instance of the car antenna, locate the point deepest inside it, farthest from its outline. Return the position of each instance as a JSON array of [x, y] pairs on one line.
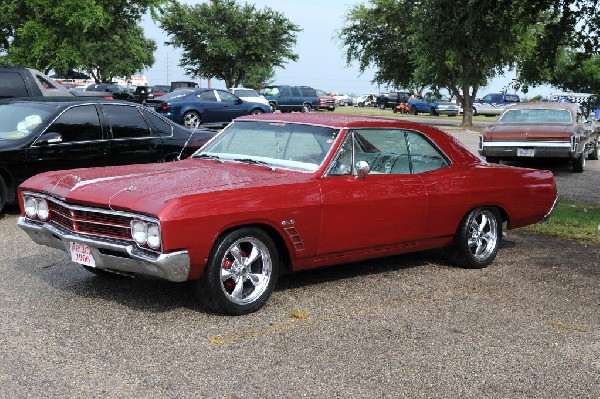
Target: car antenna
[[187, 141]]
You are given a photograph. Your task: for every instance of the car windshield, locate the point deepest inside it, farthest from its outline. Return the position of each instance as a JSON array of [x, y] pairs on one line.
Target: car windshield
[[245, 93], [536, 115], [177, 94], [276, 144], [19, 120]]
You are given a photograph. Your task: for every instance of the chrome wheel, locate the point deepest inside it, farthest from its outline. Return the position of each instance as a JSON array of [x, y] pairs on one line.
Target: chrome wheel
[[191, 119], [241, 272], [477, 239], [257, 111], [246, 270], [483, 235]]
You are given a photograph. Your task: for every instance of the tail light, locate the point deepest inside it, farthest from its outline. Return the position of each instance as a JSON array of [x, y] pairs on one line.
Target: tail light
[[481, 141], [164, 106]]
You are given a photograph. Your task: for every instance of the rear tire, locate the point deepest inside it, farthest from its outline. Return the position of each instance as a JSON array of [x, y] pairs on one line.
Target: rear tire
[[595, 154], [192, 119], [579, 162], [257, 111], [306, 108], [413, 110], [492, 160], [477, 239]]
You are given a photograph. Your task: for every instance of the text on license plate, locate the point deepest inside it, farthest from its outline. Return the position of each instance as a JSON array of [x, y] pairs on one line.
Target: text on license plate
[[525, 152], [81, 254]]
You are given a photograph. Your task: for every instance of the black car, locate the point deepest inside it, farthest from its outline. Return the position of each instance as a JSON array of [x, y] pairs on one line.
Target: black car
[[118, 92], [42, 134]]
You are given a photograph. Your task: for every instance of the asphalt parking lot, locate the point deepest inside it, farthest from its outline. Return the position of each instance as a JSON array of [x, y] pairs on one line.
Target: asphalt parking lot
[[528, 326]]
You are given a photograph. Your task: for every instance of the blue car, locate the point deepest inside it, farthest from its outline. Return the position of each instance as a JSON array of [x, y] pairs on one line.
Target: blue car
[[194, 107]]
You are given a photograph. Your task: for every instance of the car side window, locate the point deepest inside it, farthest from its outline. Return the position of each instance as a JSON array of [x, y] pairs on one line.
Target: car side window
[[296, 92], [387, 151], [208, 95], [79, 123], [126, 122], [227, 97], [424, 157], [285, 92]]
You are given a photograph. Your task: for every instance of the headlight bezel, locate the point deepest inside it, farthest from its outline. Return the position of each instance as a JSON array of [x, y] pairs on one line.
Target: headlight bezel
[[146, 234], [36, 208]]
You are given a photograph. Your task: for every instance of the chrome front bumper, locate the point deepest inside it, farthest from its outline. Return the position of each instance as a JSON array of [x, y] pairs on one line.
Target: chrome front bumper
[[112, 255]]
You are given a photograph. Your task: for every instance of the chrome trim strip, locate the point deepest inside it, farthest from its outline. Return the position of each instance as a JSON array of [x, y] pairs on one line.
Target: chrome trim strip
[[526, 144]]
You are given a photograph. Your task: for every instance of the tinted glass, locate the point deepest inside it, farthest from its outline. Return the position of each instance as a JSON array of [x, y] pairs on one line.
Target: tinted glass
[[12, 85], [308, 92], [79, 123], [296, 92], [126, 122], [161, 126]]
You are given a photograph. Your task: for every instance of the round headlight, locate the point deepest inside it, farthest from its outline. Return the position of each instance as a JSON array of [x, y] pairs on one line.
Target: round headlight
[[139, 232], [42, 209], [30, 207], [153, 236]]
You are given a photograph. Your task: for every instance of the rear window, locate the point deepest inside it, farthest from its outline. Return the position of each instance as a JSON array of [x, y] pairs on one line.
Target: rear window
[[12, 85], [511, 98]]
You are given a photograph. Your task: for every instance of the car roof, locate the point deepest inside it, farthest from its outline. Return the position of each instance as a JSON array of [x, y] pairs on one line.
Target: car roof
[[335, 121], [63, 100]]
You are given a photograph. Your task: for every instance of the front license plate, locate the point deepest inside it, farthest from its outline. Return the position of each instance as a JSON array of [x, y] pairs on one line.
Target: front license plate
[[81, 254], [525, 152]]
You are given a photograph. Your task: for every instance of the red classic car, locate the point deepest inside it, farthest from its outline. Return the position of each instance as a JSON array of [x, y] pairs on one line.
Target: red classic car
[[284, 192], [544, 130]]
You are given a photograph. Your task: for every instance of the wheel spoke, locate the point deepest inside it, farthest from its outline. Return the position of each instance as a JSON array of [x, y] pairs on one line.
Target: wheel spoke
[[254, 254], [226, 274], [483, 224], [255, 278], [238, 290], [236, 252]]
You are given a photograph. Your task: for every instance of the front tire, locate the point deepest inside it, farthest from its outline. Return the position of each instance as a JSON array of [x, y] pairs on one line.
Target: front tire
[[192, 119], [241, 272], [257, 111], [477, 239]]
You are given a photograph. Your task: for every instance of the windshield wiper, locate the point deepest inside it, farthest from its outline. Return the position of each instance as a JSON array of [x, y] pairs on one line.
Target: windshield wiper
[[255, 162], [208, 156]]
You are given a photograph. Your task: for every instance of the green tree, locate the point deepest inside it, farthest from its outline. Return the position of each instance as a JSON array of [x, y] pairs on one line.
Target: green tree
[[231, 42], [461, 46], [457, 45], [61, 34]]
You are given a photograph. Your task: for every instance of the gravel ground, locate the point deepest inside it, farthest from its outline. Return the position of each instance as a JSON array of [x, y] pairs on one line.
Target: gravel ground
[[409, 326]]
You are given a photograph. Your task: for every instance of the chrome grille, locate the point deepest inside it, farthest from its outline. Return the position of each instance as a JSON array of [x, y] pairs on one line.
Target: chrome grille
[[90, 221]]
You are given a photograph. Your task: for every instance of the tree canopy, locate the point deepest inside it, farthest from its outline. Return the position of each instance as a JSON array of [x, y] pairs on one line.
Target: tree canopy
[[96, 35], [231, 42], [461, 45]]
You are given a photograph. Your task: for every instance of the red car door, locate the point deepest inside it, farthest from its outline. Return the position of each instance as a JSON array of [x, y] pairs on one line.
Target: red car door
[[387, 207]]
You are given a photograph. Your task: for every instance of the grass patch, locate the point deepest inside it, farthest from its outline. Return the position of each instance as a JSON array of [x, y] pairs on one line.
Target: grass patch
[[572, 220], [374, 111]]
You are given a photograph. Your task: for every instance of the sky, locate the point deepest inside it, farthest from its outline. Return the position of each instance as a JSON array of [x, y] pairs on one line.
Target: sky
[[321, 63]]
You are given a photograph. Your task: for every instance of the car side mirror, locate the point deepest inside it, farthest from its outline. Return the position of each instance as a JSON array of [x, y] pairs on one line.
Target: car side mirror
[[49, 138], [362, 169], [239, 101]]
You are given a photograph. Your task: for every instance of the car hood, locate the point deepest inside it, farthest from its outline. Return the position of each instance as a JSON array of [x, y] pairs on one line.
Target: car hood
[[528, 132], [148, 188]]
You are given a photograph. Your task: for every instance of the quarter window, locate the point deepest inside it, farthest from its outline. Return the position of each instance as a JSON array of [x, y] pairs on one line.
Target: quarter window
[[126, 122]]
